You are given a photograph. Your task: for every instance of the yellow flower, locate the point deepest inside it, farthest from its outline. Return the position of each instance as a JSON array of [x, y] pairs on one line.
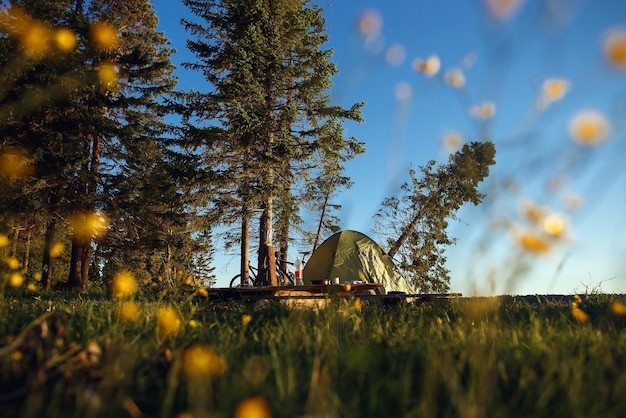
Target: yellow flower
[[89, 224], [615, 48], [169, 323], [129, 311], [618, 308], [32, 287], [37, 276], [554, 225], [554, 89], [56, 249], [193, 323], [203, 292], [35, 41], [429, 66], [357, 304], [246, 319], [4, 240], [200, 362], [533, 242], [455, 78], [65, 39], [16, 279], [12, 262], [15, 162], [347, 287], [123, 285], [578, 314], [503, 9], [255, 407], [452, 141], [588, 127], [103, 35], [108, 75], [485, 110], [370, 23], [578, 299]]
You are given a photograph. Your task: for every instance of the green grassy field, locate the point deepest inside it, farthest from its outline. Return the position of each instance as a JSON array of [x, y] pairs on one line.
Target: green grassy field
[[86, 356]]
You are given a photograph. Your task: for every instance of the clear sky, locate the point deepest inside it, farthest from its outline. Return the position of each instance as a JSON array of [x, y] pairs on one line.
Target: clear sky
[[535, 78]]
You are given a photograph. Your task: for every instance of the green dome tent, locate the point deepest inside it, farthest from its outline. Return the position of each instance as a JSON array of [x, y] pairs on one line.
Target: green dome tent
[[353, 256]]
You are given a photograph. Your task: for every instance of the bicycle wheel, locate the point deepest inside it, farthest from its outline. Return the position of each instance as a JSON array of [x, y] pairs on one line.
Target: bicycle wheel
[[285, 279], [236, 282]]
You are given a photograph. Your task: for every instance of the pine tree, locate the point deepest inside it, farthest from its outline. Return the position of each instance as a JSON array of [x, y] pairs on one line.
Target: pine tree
[[268, 112], [416, 222], [89, 99]]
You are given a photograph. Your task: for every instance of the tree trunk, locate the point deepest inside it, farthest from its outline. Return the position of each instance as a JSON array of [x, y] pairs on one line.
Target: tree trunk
[[267, 260], [26, 259], [404, 236], [46, 264], [75, 279], [245, 247], [14, 240]]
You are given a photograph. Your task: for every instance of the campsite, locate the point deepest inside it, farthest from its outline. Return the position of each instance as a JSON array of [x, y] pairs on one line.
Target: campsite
[[300, 209]]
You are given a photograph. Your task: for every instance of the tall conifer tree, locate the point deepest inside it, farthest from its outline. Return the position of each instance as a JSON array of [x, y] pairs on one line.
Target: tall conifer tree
[[268, 112]]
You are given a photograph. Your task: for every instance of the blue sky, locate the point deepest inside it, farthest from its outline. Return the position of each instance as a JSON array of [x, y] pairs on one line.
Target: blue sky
[[505, 61]]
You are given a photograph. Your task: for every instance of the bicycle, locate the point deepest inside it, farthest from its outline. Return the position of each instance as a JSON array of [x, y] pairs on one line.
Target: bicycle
[[283, 278]]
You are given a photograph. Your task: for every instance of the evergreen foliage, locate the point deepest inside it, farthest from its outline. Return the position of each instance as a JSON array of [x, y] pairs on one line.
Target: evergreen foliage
[[416, 221], [267, 121]]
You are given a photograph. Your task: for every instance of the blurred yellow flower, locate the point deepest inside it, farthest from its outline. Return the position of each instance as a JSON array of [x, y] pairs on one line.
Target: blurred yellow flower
[[193, 323], [578, 314], [618, 308], [452, 141], [56, 249], [578, 299], [503, 9], [588, 127], [200, 362], [246, 319], [35, 41], [369, 23], [203, 292], [37, 276], [12, 262], [455, 78], [107, 74], [15, 162], [357, 304], [395, 55], [429, 66], [485, 110], [169, 323], [347, 287], [615, 48], [189, 280], [533, 242], [89, 224], [255, 407], [32, 287], [16, 279], [4, 240], [103, 35], [552, 90], [533, 213], [124, 285], [65, 39], [554, 225], [129, 311]]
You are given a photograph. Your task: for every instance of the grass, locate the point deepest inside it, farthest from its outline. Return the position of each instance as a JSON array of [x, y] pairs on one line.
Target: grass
[[489, 357]]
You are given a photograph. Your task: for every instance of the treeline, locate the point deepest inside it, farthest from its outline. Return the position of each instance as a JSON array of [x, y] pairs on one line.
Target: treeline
[[106, 166]]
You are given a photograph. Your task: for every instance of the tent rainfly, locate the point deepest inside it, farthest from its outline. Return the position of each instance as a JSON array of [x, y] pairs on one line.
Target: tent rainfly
[[353, 256]]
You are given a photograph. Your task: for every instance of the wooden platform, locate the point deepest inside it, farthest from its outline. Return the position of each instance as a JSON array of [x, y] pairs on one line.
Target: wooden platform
[[286, 292]]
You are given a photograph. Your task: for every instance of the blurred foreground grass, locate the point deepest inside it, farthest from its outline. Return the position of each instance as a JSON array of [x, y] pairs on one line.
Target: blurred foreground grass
[[484, 357]]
